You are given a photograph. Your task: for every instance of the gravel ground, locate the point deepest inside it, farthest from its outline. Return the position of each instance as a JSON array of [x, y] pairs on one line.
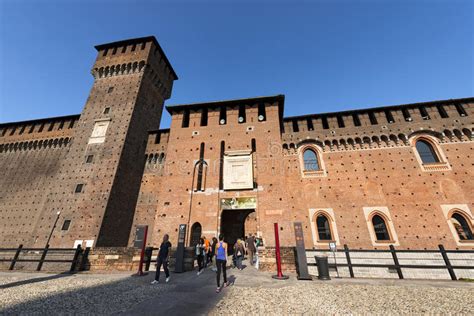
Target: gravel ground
[[73, 294], [252, 293], [316, 298]]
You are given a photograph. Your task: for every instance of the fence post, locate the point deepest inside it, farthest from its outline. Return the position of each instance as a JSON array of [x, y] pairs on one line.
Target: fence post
[[15, 258], [348, 259], [75, 259], [43, 256], [447, 263], [84, 259], [395, 260]]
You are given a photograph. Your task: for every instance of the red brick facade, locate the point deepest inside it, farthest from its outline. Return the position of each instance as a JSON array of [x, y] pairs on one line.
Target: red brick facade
[[367, 168]]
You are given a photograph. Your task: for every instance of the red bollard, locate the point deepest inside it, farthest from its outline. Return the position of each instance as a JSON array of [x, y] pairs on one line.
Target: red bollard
[[142, 255], [279, 275]]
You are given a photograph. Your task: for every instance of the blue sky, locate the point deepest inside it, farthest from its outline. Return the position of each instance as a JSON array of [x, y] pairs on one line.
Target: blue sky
[[323, 55]]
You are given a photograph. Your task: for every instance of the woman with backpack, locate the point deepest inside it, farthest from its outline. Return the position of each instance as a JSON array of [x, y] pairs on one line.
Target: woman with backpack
[[199, 252], [221, 261]]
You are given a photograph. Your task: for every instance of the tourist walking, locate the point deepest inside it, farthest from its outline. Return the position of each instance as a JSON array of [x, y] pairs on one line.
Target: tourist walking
[[221, 261], [213, 253], [239, 252], [251, 249], [163, 259], [199, 251], [206, 251]]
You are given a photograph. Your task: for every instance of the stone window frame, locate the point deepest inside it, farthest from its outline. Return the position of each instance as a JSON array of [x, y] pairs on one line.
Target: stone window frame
[[384, 213], [463, 209], [442, 165], [322, 167], [329, 213]]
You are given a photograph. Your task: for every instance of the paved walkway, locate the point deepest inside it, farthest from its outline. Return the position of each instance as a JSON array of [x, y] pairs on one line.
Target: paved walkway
[[251, 292]]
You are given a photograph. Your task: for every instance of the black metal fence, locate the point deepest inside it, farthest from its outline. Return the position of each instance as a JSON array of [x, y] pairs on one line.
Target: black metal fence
[[396, 266], [75, 256]]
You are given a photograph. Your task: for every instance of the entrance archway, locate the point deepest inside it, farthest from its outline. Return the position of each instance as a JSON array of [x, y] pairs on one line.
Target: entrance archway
[[233, 226], [196, 231]]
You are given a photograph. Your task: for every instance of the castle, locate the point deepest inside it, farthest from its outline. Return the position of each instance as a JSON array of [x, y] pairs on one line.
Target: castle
[[395, 175]]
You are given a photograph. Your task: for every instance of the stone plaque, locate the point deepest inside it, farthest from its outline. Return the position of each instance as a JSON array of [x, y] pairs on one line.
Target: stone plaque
[[238, 171]]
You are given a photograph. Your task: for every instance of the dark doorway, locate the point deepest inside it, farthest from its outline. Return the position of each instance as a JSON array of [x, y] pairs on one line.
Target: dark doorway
[[196, 230], [233, 226]]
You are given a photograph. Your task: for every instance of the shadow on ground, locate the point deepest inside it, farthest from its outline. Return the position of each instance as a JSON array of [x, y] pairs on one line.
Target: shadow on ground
[[36, 280], [186, 294]]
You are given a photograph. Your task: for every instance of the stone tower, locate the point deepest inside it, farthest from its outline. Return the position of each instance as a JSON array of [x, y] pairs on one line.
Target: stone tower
[[99, 179]]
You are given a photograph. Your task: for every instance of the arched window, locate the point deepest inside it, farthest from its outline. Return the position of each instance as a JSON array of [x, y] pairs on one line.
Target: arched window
[[310, 160], [196, 230], [426, 152], [380, 228], [324, 228], [462, 227]]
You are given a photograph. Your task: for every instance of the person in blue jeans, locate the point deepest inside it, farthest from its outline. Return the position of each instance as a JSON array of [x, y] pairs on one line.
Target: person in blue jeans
[[221, 262], [163, 259]]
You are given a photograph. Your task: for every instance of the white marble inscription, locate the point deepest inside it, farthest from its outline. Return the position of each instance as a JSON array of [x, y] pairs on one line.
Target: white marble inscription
[[238, 171], [99, 131]]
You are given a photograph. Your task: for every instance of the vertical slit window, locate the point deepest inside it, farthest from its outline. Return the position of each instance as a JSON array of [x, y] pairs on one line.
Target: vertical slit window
[[242, 114], [460, 109], [254, 145], [105, 52], [442, 111], [204, 114], [134, 47], [185, 119], [223, 115], [372, 118], [22, 130], [13, 131], [124, 49], [340, 121], [41, 128], [71, 125], [309, 122], [221, 166], [424, 113], [325, 122], [61, 125], [356, 119], [200, 168], [143, 46], [32, 128], [254, 150], [114, 51], [261, 112], [296, 128], [51, 126], [389, 116]]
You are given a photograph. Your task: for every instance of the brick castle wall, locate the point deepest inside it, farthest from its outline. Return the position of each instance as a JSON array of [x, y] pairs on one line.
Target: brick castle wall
[[143, 175]]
